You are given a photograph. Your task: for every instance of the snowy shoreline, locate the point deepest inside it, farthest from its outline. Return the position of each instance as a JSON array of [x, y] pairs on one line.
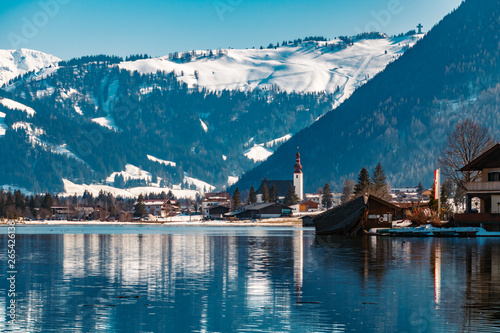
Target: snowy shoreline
[[245, 223]]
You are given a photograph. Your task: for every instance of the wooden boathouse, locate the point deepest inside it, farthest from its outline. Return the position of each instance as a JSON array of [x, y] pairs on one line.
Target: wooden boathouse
[[356, 216]]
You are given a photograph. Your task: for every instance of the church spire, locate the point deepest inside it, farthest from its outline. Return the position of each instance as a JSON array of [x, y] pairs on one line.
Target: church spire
[[298, 178], [298, 166]]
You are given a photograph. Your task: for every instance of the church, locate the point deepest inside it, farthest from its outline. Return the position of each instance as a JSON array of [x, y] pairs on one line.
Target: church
[[283, 185]]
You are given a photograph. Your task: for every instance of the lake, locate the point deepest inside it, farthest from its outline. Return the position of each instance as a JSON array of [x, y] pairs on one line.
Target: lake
[[247, 279]]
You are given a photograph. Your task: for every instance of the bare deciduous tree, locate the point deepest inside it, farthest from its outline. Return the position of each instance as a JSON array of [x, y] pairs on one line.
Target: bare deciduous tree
[[465, 143]]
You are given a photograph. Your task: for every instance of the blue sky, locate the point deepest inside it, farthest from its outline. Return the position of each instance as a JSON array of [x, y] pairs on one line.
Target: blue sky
[[72, 28]]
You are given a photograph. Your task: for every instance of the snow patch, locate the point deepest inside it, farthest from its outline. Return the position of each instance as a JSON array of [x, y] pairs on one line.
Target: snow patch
[[200, 185], [232, 180], [130, 172], [45, 92], [278, 141], [68, 93], [3, 126], [32, 131], [64, 150], [204, 126], [71, 188], [78, 110], [158, 160], [108, 122], [258, 153], [13, 105]]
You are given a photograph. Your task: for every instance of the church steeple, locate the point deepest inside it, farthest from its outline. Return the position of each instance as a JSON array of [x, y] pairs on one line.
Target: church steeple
[[298, 166], [298, 177]]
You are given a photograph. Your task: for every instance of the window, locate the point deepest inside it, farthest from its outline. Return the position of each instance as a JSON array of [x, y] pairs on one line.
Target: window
[[494, 176]]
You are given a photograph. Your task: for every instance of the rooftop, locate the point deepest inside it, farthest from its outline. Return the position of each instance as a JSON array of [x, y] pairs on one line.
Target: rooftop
[[488, 159]]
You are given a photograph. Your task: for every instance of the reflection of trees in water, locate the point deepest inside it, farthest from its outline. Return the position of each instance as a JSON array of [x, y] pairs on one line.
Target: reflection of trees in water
[[372, 256], [483, 281], [465, 273]]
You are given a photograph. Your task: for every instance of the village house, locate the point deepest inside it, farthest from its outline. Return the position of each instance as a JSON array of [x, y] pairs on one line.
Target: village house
[[217, 212], [161, 208], [426, 195], [309, 206], [486, 211], [212, 200], [62, 213], [315, 197], [262, 211], [84, 212]]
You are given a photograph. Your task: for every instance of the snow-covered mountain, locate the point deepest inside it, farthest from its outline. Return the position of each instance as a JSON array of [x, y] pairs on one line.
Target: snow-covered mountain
[[403, 116], [307, 67], [18, 62], [132, 126]]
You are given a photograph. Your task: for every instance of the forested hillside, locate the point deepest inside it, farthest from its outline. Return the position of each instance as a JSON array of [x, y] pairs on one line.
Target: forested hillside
[[402, 116], [92, 119], [185, 120]]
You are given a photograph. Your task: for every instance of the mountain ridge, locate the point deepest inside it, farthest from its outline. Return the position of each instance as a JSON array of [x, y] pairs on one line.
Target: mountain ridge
[[18, 62], [402, 116], [85, 106]]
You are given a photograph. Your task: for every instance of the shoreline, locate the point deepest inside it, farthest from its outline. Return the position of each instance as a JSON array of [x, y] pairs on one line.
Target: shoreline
[[279, 222]]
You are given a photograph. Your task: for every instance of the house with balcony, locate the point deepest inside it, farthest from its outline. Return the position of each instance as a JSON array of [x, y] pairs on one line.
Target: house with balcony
[[485, 193], [213, 200]]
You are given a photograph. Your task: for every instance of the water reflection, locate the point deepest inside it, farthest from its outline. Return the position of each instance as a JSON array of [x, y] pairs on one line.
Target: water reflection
[[254, 280]]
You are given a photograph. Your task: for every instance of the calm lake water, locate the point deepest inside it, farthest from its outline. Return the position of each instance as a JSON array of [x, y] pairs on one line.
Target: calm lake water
[[236, 279]]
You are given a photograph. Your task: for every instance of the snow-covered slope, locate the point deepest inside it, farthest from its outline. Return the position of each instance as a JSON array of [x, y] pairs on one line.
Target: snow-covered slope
[[258, 153], [18, 62], [308, 67], [71, 188], [3, 126], [13, 105]]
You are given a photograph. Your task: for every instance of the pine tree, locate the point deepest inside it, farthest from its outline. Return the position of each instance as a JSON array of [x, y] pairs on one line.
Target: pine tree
[[445, 206], [379, 183], [347, 190], [265, 194], [140, 207], [273, 194], [364, 184], [327, 200], [291, 197], [252, 197], [46, 203], [420, 188], [236, 198]]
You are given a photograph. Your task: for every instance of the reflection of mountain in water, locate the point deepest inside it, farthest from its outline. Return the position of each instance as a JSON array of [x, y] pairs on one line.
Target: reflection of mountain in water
[[255, 280]]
